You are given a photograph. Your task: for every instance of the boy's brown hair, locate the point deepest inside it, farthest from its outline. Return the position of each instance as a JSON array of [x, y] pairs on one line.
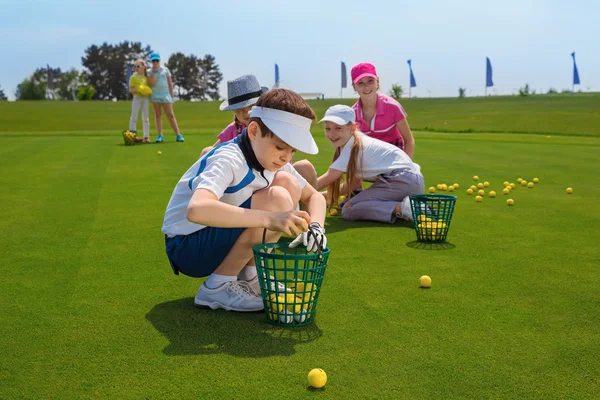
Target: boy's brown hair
[[284, 100]]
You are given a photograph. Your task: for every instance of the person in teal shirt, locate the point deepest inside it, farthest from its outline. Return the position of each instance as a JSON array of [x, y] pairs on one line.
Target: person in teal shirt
[[162, 95]]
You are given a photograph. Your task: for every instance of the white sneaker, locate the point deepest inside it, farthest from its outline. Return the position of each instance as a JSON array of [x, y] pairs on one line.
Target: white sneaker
[[254, 286], [405, 210], [230, 296]]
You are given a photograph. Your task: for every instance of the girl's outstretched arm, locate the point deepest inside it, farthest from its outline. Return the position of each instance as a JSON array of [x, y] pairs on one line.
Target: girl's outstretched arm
[[328, 178], [407, 137]]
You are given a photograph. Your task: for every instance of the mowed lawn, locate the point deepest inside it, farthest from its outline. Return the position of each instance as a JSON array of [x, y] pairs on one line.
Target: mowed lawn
[[89, 307]]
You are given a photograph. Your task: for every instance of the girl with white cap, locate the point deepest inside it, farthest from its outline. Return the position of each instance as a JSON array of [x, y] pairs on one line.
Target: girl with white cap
[[242, 94], [359, 156], [240, 192]]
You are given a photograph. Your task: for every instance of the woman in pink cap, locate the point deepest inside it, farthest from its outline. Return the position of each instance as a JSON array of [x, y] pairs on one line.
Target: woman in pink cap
[[377, 115]]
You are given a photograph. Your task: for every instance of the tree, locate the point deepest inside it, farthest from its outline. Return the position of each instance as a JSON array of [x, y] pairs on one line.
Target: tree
[[195, 78], [50, 78], [524, 91], [2, 95], [462, 92], [31, 89], [212, 77], [106, 67], [396, 91], [68, 84], [85, 92], [185, 73]]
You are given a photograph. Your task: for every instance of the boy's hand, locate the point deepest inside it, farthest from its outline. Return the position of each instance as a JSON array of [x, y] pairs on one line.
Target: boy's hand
[[313, 239], [290, 222]]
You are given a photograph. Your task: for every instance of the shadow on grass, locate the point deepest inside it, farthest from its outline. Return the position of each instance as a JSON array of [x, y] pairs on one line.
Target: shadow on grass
[[430, 246], [338, 224], [192, 330]]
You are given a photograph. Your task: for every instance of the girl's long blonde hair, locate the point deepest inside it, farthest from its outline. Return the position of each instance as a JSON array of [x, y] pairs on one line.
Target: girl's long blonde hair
[[352, 170]]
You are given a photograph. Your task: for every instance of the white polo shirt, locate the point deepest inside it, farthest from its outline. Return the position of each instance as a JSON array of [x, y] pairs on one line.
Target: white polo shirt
[[225, 172], [378, 158]]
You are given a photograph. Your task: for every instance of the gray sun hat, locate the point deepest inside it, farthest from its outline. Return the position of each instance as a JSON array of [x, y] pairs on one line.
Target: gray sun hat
[[242, 92]]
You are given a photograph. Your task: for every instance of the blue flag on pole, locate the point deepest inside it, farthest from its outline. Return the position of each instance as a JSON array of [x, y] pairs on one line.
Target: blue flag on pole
[[575, 72], [344, 77], [276, 75], [413, 82], [488, 73]]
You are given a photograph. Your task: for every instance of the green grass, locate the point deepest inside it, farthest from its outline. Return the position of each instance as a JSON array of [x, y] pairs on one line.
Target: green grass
[[90, 308], [577, 114]]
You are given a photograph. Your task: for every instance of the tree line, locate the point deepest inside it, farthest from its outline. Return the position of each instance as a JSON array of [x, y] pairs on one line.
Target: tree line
[[104, 76]]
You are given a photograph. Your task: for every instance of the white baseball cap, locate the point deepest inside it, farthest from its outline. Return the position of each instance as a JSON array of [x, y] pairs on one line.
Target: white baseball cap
[[339, 114], [292, 128]]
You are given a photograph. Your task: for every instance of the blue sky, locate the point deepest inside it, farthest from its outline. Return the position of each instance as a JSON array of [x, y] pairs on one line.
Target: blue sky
[[528, 41]]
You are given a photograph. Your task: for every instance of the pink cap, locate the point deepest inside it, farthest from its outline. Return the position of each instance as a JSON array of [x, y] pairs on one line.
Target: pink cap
[[361, 70]]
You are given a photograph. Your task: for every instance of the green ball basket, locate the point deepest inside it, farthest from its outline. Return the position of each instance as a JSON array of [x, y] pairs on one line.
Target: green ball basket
[[432, 214], [290, 281]]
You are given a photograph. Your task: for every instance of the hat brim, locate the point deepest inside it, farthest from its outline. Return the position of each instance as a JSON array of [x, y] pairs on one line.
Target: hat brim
[[294, 136], [225, 106], [335, 120], [358, 78], [155, 59]]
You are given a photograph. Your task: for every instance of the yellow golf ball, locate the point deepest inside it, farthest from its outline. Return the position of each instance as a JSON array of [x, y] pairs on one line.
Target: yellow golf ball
[[455, 186], [469, 191], [425, 281], [473, 187], [475, 178], [478, 199], [569, 190], [481, 192], [444, 186], [451, 188], [523, 183], [519, 180], [506, 183], [317, 378], [486, 184], [536, 180], [530, 185], [342, 198], [512, 185], [505, 191], [480, 185], [510, 202], [333, 212], [159, 153], [431, 189], [492, 194]]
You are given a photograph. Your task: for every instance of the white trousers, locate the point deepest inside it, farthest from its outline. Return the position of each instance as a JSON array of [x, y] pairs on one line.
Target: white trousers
[[138, 103]]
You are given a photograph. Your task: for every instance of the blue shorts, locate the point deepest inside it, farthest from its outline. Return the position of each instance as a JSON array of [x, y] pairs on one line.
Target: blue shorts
[[200, 253]]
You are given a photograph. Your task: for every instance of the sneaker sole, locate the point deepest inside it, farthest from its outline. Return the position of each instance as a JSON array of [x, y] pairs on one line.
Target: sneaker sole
[[217, 305]]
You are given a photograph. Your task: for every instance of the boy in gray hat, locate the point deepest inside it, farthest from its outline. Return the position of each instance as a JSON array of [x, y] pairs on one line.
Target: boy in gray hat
[[222, 205]]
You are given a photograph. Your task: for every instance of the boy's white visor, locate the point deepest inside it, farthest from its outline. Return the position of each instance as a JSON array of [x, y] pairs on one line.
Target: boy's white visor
[[293, 129]]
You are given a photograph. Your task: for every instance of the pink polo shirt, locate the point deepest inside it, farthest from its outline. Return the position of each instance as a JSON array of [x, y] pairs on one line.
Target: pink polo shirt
[[230, 132], [383, 126]]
